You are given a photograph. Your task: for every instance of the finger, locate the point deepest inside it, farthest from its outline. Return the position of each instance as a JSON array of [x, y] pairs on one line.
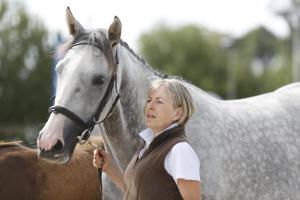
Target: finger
[[98, 162], [102, 153], [95, 151], [96, 156], [95, 163]]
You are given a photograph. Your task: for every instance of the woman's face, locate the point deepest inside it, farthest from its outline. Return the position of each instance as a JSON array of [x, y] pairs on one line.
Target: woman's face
[[159, 109]]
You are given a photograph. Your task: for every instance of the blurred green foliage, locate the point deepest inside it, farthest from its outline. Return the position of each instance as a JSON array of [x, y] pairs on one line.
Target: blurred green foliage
[[25, 64], [256, 63], [191, 52], [262, 64]]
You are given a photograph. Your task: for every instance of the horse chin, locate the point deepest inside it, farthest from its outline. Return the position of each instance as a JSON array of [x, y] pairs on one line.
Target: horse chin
[[57, 158], [62, 159], [61, 155]]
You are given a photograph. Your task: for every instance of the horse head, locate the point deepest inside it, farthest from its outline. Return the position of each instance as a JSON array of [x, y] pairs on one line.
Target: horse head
[[87, 88]]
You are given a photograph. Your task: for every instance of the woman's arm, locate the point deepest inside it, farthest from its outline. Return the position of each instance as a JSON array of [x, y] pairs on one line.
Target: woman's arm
[[116, 176], [189, 189], [102, 159]]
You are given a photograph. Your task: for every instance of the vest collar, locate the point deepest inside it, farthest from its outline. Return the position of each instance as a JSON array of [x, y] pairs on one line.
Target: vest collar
[[147, 135], [177, 131]]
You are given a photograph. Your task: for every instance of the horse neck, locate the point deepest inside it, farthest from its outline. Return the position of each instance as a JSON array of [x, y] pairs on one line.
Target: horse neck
[[122, 127]]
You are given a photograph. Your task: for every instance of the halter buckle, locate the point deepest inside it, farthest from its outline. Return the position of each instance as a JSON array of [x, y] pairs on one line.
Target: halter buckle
[[82, 139]]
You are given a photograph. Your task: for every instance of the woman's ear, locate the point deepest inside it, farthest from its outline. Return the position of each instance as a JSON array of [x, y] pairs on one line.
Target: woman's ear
[[177, 114]]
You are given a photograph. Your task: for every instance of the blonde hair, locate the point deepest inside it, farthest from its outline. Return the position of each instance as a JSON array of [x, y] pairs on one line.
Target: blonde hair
[[180, 96]]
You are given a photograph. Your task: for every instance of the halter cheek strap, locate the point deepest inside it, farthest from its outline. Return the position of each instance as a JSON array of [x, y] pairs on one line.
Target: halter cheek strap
[[88, 126]]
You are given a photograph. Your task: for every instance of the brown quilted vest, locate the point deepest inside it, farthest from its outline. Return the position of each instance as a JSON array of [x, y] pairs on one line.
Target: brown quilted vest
[[146, 178]]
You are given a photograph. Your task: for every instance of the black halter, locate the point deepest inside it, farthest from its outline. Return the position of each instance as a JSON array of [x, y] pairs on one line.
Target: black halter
[[87, 127]]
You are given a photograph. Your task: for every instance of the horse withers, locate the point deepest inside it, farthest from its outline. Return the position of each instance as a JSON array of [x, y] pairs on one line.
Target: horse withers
[[248, 148]]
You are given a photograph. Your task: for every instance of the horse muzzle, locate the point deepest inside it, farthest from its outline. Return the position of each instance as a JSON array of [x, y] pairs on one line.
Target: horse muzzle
[[58, 153], [57, 140]]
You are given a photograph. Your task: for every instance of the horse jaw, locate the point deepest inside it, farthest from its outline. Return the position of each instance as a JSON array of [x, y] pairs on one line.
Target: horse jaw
[[57, 139]]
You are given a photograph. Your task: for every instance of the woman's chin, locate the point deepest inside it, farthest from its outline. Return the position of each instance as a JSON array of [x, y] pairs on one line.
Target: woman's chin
[[148, 122]]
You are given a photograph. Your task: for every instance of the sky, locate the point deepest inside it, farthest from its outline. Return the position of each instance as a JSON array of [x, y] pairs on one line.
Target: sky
[[235, 17]]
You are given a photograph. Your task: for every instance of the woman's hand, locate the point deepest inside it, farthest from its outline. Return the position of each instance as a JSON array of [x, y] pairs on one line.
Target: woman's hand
[[102, 159]]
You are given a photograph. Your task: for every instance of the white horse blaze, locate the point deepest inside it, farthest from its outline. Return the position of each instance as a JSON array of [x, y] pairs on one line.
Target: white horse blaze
[[52, 132]]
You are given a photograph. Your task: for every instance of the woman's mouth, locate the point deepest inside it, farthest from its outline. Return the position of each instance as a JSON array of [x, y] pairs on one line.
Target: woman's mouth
[[150, 116]]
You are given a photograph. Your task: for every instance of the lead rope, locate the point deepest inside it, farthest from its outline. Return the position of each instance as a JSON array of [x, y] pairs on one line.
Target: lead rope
[[99, 147], [100, 181]]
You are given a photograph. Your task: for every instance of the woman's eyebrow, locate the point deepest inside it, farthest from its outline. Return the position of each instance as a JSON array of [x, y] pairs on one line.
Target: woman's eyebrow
[[156, 98], [159, 98]]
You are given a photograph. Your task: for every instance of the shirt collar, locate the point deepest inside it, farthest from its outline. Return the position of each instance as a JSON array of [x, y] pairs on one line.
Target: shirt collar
[[148, 136]]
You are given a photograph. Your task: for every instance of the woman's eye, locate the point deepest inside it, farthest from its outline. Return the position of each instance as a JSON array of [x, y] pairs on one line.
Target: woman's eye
[[98, 80]]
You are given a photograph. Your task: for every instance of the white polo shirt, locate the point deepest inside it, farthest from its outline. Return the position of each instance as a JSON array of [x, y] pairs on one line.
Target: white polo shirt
[[181, 162]]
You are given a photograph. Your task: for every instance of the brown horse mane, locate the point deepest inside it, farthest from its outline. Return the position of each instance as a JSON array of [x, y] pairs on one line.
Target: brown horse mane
[[94, 140], [5, 145], [12, 144]]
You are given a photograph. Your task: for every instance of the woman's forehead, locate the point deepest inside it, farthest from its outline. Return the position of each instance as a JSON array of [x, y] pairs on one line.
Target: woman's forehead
[[160, 91]]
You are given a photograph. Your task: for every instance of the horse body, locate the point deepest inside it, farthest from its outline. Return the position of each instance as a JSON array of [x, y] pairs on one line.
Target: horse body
[[24, 176], [248, 148]]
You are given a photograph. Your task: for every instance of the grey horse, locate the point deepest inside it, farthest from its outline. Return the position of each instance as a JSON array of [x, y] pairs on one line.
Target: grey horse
[[249, 148]]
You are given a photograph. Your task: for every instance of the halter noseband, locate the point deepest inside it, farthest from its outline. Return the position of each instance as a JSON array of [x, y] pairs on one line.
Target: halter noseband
[[87, 127]]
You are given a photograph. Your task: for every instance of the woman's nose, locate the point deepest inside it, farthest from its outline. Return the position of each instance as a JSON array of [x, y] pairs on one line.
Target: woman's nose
[[150, 105]]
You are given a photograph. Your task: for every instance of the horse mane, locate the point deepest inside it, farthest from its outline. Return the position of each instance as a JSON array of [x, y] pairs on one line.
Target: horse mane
[[89, 36], [93, 37], [88, 148], [18, 144], [13, 144], [156, 72]]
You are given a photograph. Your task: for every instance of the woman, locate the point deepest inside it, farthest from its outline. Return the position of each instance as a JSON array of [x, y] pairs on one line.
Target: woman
[[165, 166]]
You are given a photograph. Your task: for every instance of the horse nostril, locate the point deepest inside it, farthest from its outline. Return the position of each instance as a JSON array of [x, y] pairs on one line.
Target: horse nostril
[[58, 146]]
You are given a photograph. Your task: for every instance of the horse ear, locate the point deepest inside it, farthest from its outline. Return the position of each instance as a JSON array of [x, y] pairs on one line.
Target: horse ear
[[74, 26], [114, 32]]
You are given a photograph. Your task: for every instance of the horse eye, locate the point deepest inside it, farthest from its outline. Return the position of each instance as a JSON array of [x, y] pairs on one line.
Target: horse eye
[[98, 80]]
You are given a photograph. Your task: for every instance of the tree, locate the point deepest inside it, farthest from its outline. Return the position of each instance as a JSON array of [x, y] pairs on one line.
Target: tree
[[189, 51], [256, 63], [263, 63], [24, 66]]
